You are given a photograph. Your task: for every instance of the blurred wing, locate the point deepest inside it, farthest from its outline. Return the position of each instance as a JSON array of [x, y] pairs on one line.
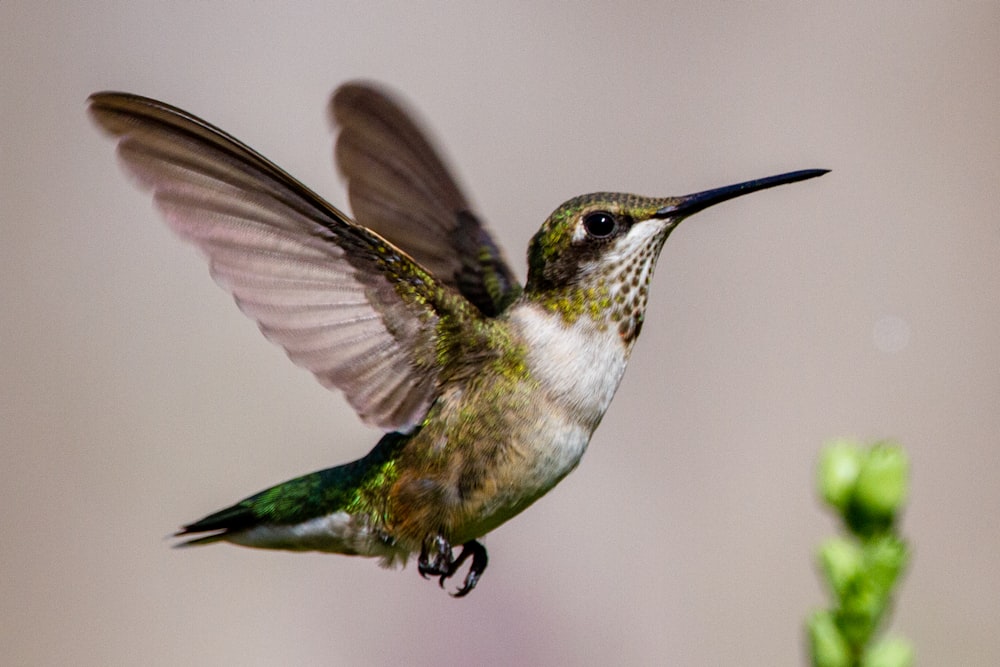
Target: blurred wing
[[400, 187], [342, 301]]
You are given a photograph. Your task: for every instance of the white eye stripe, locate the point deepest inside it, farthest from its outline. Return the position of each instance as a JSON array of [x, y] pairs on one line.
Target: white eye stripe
[[639, 235]]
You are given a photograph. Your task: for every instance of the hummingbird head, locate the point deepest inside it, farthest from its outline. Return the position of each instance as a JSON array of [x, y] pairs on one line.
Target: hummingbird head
[[596, 253]]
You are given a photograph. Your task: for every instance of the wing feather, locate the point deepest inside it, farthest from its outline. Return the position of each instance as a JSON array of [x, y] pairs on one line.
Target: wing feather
[[343, 302], [400, 187]]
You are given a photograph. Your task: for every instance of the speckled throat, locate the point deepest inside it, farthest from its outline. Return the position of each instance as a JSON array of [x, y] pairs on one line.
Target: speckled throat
[[628, 280], [617, 299], [610, 283]]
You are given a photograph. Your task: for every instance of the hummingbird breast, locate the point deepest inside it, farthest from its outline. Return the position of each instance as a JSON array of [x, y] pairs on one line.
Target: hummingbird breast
[[577, 363], [498, 441]]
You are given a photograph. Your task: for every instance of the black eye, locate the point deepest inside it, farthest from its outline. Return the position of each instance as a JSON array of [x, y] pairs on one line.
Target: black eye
[[600, 224]]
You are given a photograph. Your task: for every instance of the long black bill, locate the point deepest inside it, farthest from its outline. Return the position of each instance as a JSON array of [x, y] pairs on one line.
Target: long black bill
[[698, 201]]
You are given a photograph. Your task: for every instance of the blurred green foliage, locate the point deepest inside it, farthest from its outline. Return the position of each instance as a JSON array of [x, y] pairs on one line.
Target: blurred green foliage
[[867, 487]]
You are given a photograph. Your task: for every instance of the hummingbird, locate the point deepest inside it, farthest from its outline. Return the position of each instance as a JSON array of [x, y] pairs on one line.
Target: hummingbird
[[487, 391]]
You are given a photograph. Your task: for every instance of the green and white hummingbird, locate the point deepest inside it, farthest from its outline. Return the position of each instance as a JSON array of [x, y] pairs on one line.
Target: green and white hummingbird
[[488, 392]]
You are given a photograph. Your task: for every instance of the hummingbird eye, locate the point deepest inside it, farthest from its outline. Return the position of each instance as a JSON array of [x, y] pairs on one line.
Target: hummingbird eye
[[600, 224]]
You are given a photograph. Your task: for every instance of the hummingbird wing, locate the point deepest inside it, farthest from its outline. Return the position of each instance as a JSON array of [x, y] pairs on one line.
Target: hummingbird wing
[[344, 303], [400, 187]]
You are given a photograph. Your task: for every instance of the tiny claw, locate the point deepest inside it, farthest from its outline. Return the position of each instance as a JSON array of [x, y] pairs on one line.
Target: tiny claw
[[443, 560], [444, 565], [455, 564], [479, 562], [424, 567]]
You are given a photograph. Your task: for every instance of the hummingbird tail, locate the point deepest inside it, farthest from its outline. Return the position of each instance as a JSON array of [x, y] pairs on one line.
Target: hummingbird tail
[[340, 510], [196, 541], [220, 524]]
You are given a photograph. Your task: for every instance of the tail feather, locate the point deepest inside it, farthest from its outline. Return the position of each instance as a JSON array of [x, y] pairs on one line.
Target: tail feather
[[195, 541], [296, 501], [230, 520]]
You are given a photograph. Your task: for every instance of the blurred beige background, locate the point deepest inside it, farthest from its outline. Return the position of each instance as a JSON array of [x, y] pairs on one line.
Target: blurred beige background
[[136, 397]]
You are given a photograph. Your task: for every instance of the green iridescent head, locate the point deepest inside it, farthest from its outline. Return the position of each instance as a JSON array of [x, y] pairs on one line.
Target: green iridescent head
[[595, 232], [596, 253], [585, 232]]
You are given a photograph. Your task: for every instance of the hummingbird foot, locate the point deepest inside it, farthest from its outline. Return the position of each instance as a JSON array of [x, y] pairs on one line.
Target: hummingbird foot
[[479, 561], [444, 565], [442, 561]]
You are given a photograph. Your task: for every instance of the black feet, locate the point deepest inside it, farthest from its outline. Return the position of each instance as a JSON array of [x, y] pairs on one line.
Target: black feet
[[440, 563], [438, 560]]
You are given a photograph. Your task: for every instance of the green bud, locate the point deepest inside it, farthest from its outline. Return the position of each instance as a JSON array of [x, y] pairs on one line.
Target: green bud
[[839, 466], [842, 562], [882, 482], [885, 558], [827, 647], [860, 611], [892, 652]]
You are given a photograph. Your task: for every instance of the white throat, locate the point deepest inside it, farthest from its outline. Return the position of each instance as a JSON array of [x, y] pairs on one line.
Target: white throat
[[580, 363]]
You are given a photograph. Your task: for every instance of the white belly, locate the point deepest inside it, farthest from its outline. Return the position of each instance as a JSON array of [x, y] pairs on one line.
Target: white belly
[[580, 364]]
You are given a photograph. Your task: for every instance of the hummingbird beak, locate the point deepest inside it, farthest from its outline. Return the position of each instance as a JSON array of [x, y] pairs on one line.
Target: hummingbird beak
[[688, 204]]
